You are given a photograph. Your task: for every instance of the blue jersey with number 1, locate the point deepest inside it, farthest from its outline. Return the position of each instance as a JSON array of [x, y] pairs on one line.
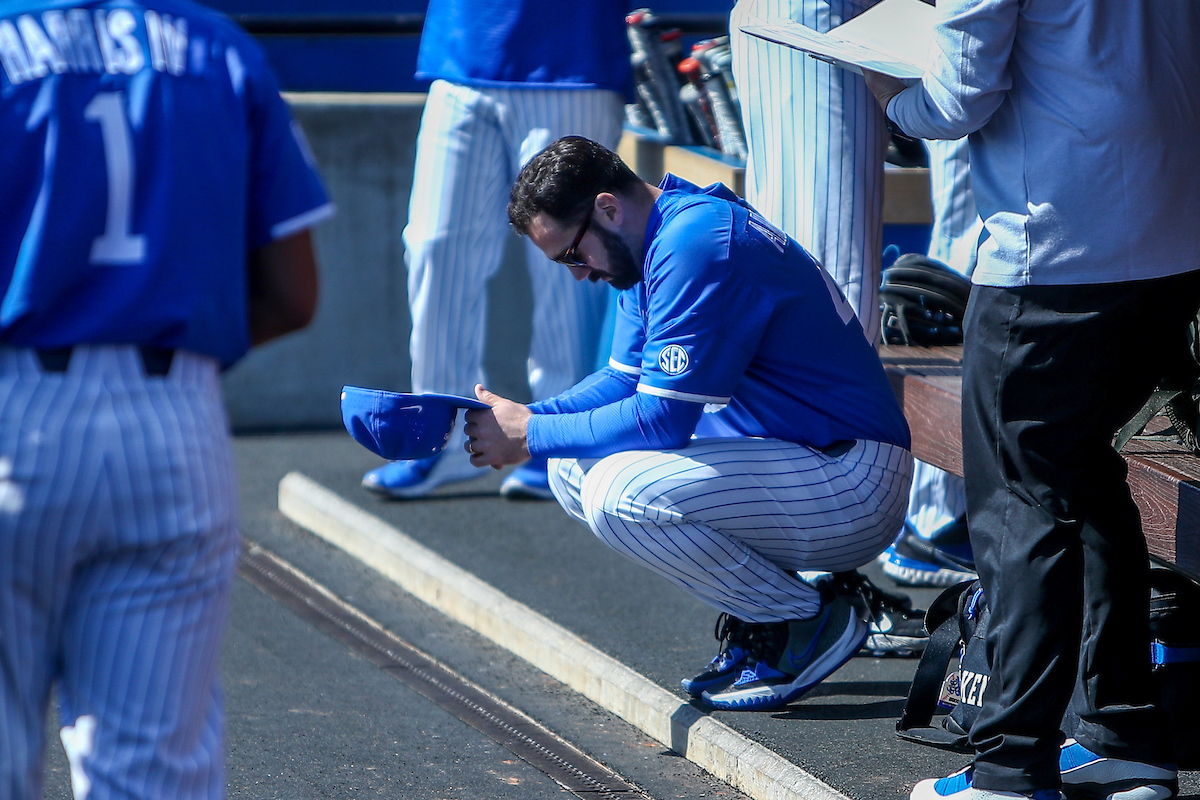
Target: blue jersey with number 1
[[146, 151]]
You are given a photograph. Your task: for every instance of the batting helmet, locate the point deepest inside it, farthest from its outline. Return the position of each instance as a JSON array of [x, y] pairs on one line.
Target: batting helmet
[[401, 426], [923, 302]]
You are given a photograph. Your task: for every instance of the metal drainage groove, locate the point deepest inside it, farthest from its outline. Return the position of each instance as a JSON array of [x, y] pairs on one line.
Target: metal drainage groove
[[571, 768]]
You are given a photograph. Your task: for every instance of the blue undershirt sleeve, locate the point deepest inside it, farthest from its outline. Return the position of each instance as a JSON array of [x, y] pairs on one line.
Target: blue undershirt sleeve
[[640, 422], [602, 387]]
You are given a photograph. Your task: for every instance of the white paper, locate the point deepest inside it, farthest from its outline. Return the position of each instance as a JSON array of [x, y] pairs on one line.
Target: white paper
[[892, 37]]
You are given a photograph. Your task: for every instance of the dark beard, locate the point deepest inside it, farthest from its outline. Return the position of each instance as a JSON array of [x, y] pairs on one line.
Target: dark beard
[[623, 270]]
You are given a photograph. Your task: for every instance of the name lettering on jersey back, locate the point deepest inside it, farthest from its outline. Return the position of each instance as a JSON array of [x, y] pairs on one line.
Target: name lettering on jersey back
[[768, 231], [81, 40]]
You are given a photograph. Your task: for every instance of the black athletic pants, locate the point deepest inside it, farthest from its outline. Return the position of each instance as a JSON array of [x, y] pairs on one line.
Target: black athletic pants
[[1050, 374]]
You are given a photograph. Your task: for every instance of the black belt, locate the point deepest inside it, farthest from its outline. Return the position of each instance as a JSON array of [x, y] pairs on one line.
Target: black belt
[[839, 448], [156, 361]]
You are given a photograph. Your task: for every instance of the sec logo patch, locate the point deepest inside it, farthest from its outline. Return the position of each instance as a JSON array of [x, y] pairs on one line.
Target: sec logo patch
[[673, 359]]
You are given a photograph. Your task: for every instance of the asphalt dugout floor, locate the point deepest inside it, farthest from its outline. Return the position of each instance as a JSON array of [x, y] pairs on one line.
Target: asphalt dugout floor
[[841, 733]]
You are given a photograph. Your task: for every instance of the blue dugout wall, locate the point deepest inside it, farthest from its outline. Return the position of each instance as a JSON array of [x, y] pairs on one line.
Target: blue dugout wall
[[371, 45]]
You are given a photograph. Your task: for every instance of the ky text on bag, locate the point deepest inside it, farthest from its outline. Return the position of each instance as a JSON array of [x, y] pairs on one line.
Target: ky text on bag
[[953, 672]]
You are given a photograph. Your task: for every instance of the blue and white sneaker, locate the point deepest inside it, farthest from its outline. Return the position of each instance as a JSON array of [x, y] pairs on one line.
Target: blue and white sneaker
[[411, 479], [958, 787], [528, 481], [914, 561], [789, 658], [724, 669], [1094, 777]]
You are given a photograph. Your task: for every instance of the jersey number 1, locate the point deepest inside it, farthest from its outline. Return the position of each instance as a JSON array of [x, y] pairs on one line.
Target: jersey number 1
[[117, 245]]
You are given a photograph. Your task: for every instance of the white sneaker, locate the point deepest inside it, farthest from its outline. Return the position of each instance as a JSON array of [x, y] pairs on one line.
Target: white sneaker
[[410, 479], [959, 787], [1088, 775]]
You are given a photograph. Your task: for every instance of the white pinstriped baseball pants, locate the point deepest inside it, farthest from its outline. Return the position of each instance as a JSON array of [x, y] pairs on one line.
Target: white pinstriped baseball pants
[[954, 238], [472, 143], [937, 497], [732, 520], [118, 543], [816, 138]]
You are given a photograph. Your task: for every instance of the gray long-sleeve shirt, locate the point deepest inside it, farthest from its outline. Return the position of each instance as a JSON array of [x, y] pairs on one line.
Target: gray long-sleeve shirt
[[1084, 118]]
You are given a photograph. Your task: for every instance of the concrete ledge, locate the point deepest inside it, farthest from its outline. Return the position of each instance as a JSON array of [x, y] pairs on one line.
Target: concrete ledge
[[906, 198], [642, 152], [703, 165], [365, 144], [712, 745]]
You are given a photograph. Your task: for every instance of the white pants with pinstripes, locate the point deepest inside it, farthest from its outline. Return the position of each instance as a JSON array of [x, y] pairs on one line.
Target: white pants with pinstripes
[[732, 520], [472, 143], [954, 238], [816, 138], [938, 497], [118, 543]]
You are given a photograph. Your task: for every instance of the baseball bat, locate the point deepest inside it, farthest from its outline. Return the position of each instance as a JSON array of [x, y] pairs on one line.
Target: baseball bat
[[729, 122], [695, 98], [648, 52]]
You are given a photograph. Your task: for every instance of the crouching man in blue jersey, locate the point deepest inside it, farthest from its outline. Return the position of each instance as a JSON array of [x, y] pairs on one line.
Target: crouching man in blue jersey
[[743, 430]]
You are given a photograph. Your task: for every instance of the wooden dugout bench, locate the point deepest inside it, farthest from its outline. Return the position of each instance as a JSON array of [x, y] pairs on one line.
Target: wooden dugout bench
[[1164, 476]]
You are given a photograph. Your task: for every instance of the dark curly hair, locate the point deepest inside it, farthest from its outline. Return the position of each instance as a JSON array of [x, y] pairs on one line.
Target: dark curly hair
[[563, 180]]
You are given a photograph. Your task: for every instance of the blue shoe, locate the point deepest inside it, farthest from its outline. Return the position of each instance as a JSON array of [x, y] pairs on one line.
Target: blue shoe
[[914, 561], [789, 658], [528, 481], [958, 787], [410, 479], [725, 668], [1088, 775]]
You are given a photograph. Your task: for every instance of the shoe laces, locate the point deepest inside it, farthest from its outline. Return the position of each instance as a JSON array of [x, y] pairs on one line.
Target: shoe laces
[[765, 641], [752, 637], [876, 601], [728, 630]]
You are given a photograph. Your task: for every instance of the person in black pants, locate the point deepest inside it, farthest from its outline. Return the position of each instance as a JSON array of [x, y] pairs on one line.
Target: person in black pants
[[1050, 373], [1081, 119]]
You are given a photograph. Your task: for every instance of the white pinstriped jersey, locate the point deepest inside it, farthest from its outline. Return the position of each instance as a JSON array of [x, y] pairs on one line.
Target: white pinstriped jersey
[[954, 237], [815, 169], [816, 139]]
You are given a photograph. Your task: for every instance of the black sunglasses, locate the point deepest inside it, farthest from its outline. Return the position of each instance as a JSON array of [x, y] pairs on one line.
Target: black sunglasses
[[567, 257]]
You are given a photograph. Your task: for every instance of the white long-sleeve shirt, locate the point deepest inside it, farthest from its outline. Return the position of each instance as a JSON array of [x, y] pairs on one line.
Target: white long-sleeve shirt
[[1084, 123]]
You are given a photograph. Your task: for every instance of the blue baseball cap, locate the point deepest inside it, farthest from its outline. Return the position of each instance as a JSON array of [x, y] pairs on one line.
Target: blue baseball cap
[[400, 426]]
